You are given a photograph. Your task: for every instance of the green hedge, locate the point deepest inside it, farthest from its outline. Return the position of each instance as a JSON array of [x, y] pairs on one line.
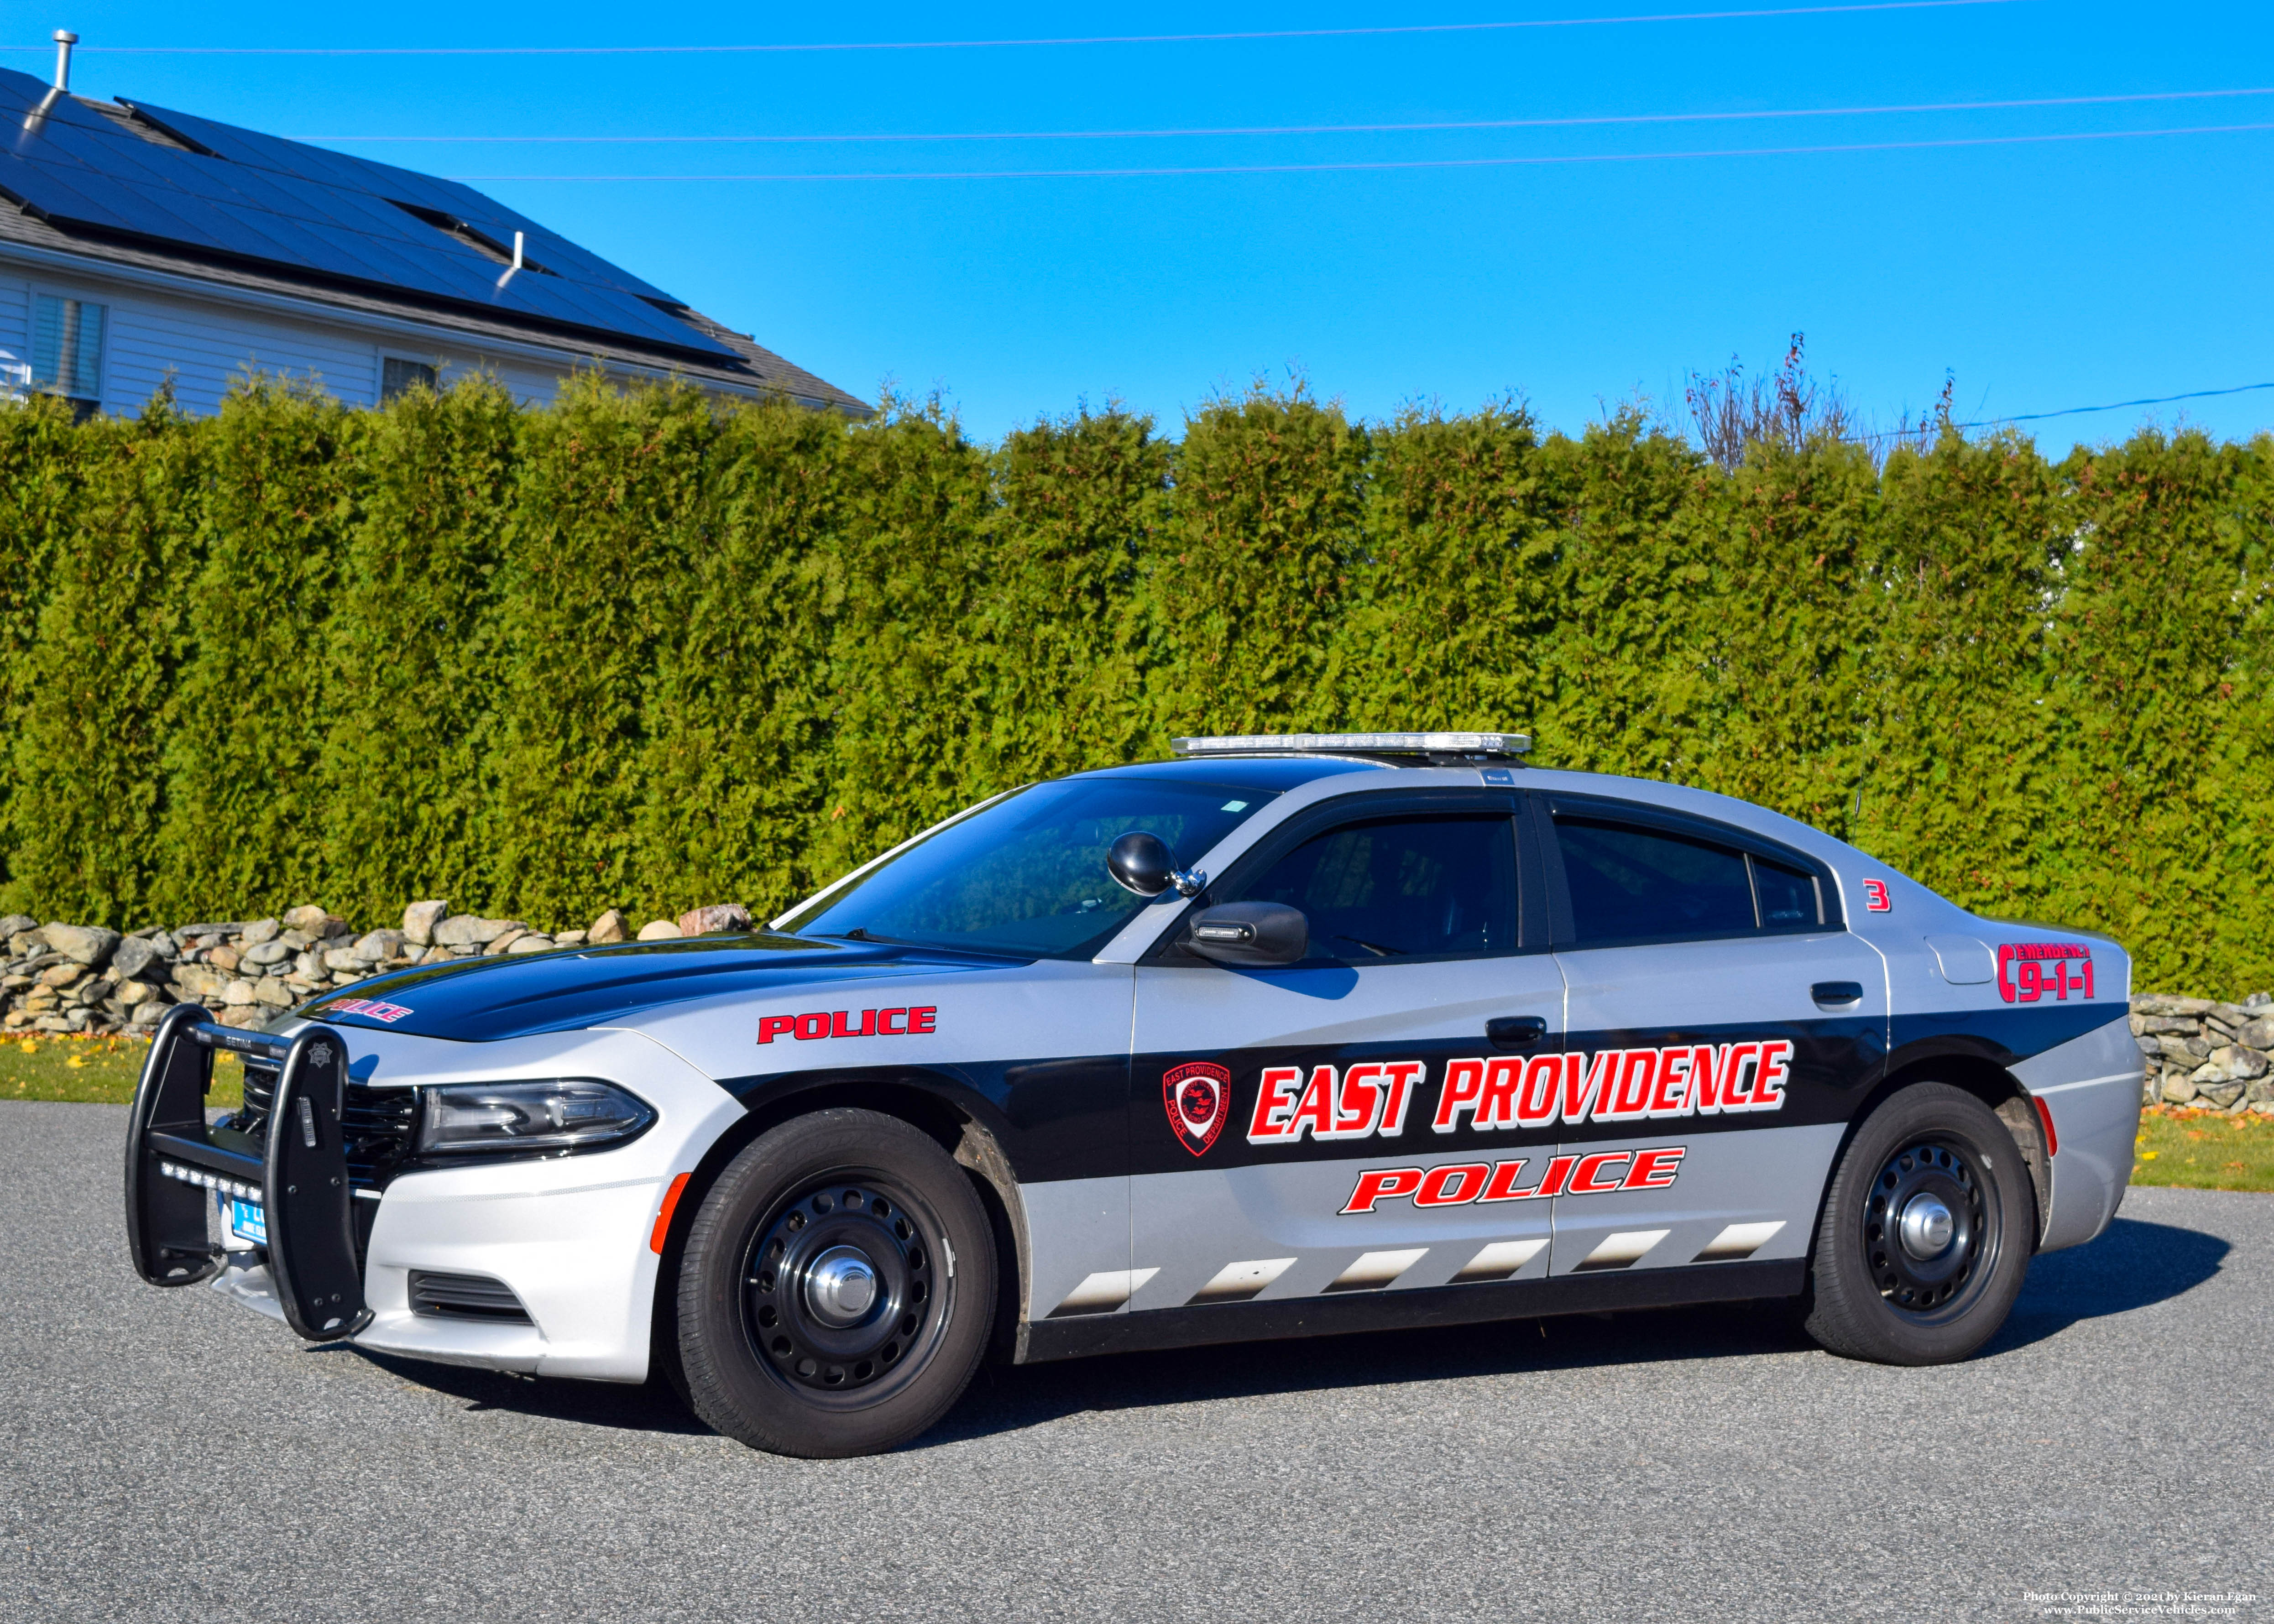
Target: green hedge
[[630, 650]]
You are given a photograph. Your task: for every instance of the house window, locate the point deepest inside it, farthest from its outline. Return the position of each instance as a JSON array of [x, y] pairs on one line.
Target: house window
[[398, 375], [67, 349]]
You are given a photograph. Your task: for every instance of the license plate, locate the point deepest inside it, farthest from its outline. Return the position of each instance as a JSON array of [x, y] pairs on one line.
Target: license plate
[[248, 1222]]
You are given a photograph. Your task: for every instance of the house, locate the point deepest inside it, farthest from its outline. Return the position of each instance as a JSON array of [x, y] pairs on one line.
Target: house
[[147, 244]]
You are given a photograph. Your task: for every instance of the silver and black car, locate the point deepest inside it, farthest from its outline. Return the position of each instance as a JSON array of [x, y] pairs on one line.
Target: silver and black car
[[1286, 1036]]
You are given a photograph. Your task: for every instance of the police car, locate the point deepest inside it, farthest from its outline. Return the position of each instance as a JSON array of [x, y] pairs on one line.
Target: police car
[[1286, 1036]]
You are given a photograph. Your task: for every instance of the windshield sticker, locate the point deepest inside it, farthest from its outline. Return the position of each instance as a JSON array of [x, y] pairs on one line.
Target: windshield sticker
[[370, 1008], [849, 1023]]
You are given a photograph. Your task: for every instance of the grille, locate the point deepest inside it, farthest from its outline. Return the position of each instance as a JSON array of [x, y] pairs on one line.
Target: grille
[[377, 1123], [465, 1297]]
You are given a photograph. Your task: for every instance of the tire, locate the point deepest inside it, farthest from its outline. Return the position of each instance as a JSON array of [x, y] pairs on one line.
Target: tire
[[837, 1289], [1881, 1289]]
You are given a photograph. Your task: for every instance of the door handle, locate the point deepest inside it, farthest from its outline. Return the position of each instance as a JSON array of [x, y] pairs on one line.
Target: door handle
[[1515, 1031], [1827, 994]]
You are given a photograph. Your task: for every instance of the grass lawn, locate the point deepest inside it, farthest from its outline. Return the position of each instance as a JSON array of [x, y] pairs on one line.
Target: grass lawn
[[55, 1066], [2205, 1150]]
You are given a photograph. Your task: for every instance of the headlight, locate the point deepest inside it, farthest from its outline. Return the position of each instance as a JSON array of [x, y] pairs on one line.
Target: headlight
[[572, 1114]]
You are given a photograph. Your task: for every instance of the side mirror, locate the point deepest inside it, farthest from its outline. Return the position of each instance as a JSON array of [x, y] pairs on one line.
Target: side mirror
[[1142, 863], [1250, 933]]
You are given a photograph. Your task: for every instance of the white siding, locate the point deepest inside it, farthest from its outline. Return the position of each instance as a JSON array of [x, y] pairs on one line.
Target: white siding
[[206, 345], [15, 332]]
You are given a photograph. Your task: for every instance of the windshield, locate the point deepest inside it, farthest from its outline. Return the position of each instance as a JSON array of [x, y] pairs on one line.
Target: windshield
[[1027, 874]]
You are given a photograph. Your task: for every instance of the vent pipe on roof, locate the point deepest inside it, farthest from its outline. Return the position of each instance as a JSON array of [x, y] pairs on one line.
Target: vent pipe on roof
[[64, 40], [511, 270]]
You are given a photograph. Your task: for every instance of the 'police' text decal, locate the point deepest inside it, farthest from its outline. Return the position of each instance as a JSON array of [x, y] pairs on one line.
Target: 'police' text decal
[[1465, 1182], [847, 1024]]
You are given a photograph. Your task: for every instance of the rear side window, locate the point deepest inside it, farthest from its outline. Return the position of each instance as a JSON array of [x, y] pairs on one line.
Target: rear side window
[[1629, 882], [1401, 888]]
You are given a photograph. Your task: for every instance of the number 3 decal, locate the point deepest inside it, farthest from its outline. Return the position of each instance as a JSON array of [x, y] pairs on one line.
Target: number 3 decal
[[1875, 896]]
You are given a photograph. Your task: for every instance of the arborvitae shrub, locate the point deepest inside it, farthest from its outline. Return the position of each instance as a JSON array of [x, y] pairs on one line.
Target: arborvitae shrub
[[644, 650]]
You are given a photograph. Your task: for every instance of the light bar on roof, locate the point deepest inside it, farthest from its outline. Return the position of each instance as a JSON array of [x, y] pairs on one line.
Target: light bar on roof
[[1357, 744]]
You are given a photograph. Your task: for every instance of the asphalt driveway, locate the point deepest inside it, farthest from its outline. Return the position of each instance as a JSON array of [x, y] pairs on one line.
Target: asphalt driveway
[[169, 1455]]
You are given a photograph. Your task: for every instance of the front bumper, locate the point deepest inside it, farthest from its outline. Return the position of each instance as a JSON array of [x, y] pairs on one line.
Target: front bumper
[[561, 1244]]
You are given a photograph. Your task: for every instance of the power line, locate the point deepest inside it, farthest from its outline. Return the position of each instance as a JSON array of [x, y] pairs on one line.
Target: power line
[[898, 45], [1389, 164], [1389, 128], [2074, 412]]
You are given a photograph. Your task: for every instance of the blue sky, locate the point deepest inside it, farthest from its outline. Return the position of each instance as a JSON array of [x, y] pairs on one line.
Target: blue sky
[[2042, 274]]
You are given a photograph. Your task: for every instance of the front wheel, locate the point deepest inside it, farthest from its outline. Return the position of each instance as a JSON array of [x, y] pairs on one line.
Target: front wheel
[[1926, 1233], [837, 1289]]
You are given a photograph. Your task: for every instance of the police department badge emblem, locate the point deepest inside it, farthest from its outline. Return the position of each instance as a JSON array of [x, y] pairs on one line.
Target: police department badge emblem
[[1197, 1095]]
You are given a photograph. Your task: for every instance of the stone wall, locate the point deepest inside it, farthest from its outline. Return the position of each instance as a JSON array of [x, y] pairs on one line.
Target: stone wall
[[83, 978], [86, 978], [2205, 1053]]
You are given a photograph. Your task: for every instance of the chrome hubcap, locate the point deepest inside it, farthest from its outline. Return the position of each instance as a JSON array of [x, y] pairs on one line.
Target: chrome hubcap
[[1927, 1227], [841, 1288]]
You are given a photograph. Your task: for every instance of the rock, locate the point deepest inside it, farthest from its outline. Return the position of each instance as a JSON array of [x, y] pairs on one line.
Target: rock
[[659, 930], [2198, 1046], [136, 956], [264, 953], [17, 924], [133, 993], [2255, 1001], [567, 938], [60, 975], [2175, 1048], [378, 946], [2178, 1091], [24, 943], [89, 944], [339, 959], [436, 955], [309, 918], [237, 992], [419, 919], [243, 1015], [299, 941], [499, 944], [224, 957], [530, 943], [714, 917], [470, 930], [610, 927], [308, 966], [148, 1013], [2257, 1033], [2165, 1023], [92, 992], [2166, 1003], [261, 930], [2239, 1062], [197, 982], [269, 991], [2260, 1093]]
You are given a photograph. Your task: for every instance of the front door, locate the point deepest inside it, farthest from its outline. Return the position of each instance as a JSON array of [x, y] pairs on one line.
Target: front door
[[1347, 1124], [1723, 1026]]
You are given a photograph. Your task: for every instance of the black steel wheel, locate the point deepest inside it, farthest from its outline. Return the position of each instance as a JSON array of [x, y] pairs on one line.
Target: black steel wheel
[[840, 1295], [837, 1289], [1926, 1232]]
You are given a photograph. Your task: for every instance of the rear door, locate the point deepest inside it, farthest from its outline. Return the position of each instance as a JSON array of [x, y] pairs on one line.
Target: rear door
[[1289, 1135], [1723, 1026]]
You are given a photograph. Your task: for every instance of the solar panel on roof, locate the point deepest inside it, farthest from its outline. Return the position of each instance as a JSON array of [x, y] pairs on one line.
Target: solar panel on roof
[[257, 197]]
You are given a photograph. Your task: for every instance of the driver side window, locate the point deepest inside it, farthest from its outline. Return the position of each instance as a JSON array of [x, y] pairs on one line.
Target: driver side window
[[1440, 887]]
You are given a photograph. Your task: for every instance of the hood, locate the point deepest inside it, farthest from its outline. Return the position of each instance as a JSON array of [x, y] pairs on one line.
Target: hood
[[512, 995]]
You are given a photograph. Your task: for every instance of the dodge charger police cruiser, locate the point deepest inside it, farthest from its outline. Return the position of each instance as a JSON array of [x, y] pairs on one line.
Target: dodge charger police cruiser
[[1286, 1036]]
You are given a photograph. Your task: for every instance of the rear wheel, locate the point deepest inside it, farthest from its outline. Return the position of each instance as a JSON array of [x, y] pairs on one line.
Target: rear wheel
[[1926, 1233], [837, 1289]]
